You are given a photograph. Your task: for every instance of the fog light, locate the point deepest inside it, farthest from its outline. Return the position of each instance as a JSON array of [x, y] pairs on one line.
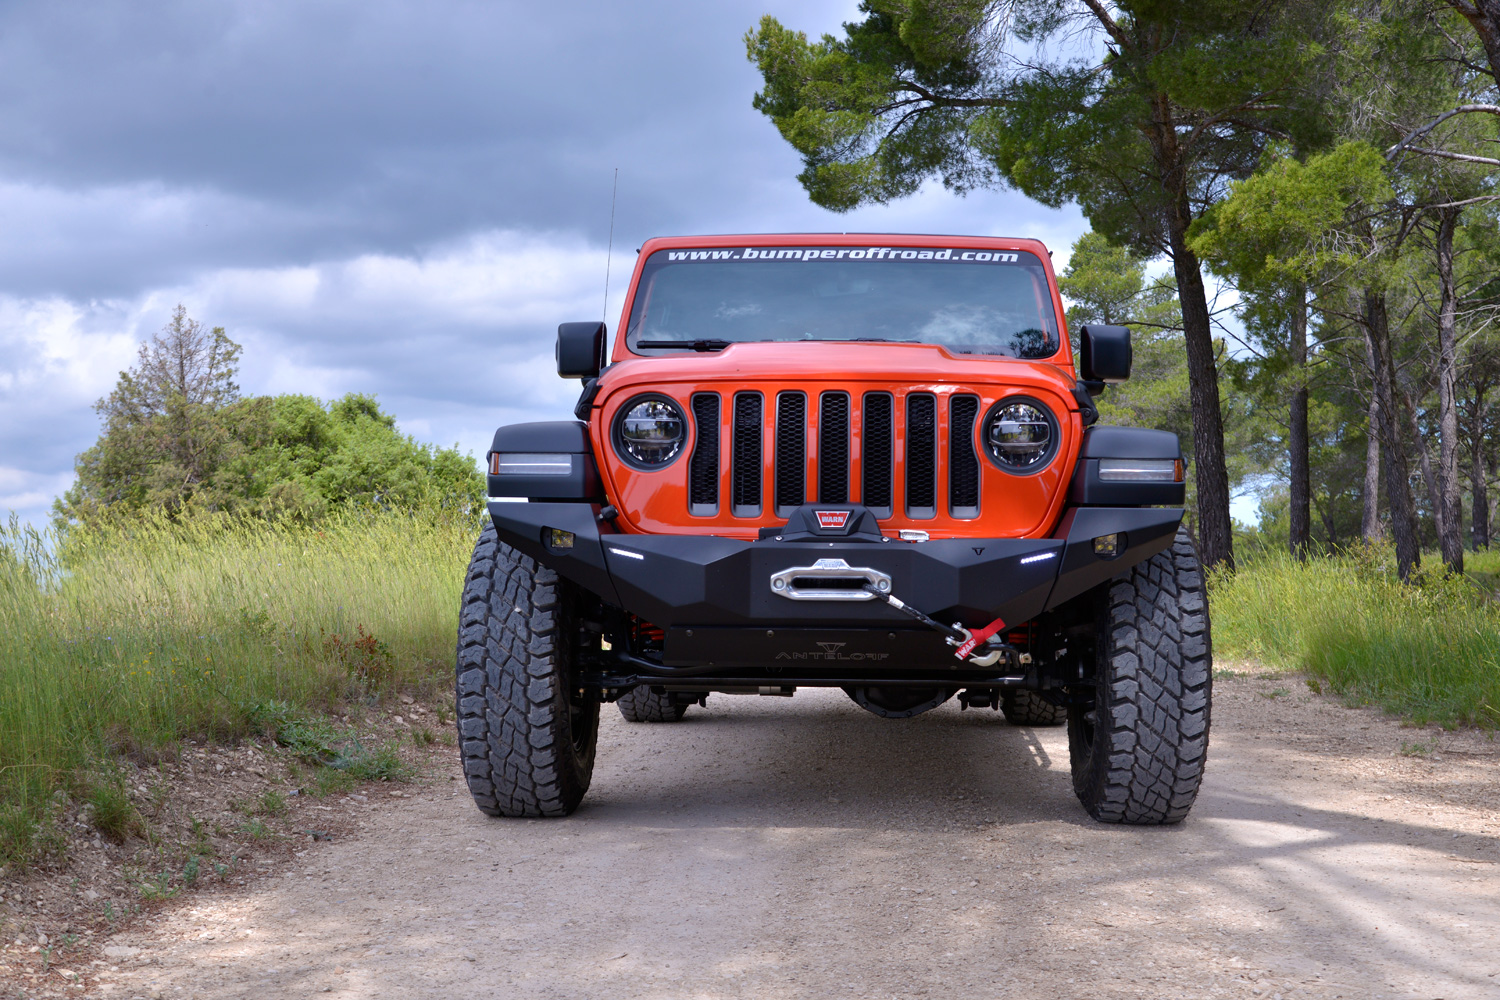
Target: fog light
[[913, 535], [564, 539], [1109, 546]]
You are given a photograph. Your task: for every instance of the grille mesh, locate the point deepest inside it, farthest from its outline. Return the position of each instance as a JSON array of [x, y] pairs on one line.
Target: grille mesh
[[963, 464], [878, 452], [745, 485], [791, 450], [833, 447], [921, 455], [703, 469]]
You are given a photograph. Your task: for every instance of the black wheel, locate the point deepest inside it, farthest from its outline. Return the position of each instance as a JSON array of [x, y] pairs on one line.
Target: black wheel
[[526, 736], [1138, 750], [1023, 707], [641, 704]]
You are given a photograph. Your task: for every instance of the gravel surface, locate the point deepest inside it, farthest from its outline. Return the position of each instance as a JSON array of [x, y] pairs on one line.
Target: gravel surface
[[769, 847]]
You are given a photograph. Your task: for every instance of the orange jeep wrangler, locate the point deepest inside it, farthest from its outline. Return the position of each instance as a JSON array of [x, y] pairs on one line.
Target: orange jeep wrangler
[[837, 461]]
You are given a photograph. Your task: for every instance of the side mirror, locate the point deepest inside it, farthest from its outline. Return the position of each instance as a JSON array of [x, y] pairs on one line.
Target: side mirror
[[1104, 353], [580, 349]]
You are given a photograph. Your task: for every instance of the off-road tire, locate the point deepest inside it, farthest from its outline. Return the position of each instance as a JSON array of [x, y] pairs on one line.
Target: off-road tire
[[1023, 707], [1138, 751], [526, 738], [641, 704]]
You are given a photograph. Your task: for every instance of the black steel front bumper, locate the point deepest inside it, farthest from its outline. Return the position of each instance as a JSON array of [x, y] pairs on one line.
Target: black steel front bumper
[[694, 585]]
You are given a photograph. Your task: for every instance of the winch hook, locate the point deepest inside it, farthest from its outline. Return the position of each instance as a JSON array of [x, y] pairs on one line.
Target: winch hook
[[956, 634]]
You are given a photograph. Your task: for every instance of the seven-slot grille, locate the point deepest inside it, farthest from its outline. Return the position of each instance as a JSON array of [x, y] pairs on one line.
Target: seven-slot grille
[[830, 419]]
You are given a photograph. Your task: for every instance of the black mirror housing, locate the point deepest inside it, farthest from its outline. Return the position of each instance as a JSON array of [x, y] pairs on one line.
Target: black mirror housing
[[580, 349], [1104, 353]]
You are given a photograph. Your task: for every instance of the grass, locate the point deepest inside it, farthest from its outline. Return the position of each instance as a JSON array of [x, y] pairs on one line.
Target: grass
[[1429, 651], [1484, 569], [126, 640], [271, 803], [255, 829], [111, 811]]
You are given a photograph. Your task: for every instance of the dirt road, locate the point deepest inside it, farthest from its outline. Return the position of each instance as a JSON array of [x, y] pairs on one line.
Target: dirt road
[[774, 848]]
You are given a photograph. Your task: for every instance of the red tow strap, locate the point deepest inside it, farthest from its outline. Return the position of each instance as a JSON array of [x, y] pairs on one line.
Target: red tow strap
[[979, 637]]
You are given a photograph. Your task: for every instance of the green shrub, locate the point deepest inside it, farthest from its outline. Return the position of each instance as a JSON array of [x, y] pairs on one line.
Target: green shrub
[[271, 803], [110, 808], [380, 764], [328, 781]]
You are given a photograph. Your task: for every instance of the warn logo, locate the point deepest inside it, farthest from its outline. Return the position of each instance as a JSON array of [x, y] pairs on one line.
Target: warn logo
[[832, 518]]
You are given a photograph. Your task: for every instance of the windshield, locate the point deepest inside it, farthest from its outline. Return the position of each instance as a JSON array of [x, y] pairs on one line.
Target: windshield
[[970, 301]]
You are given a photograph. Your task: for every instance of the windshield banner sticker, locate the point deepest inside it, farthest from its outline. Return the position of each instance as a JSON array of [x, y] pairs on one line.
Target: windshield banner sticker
[[848, 253]]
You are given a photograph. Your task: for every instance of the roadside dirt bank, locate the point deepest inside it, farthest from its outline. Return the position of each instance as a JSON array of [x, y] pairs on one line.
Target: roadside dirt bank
[[803, 848]]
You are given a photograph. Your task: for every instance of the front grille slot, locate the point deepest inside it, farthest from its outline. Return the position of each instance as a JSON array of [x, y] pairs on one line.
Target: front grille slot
[[703, 468], [791, 452], [921, 455], [878, 453], [833, 447], [963, 464], [745, 478]]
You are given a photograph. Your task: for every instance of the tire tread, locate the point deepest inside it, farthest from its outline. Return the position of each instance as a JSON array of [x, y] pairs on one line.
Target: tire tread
[[515, 740], [1154, 694]]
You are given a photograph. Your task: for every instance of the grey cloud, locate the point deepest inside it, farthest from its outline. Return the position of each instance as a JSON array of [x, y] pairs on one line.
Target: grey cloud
[[353, 126], [289, 169]]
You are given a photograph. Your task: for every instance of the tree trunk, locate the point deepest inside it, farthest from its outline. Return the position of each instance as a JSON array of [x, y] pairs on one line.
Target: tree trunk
[[1479, 529], [1216, 529], [1331, 527], [1484, 17], [1450, 500], [1297, 443], [1397, 473], [1424, 462], [1369, 526]]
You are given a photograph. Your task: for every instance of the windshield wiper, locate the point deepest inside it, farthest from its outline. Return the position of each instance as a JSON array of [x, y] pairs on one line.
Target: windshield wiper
[[700, 346]]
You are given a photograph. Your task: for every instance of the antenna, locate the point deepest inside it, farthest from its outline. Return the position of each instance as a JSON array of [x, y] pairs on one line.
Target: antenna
[[604, 318]]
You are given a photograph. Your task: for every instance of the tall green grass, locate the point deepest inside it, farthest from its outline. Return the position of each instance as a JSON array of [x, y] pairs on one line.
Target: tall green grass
[[1429, 651], [128, 639]]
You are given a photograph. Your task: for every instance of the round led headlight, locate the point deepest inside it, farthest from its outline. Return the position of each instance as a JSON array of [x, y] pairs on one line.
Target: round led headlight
[[649, 432], [1020, 435]]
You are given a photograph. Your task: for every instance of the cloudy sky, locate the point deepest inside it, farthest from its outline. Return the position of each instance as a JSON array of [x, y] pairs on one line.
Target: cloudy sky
[[390, 197]]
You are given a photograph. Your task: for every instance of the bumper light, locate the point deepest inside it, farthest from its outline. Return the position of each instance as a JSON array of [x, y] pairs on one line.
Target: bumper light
[[517, 464], [559, 539], [1109, 546], [1140, 470]]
